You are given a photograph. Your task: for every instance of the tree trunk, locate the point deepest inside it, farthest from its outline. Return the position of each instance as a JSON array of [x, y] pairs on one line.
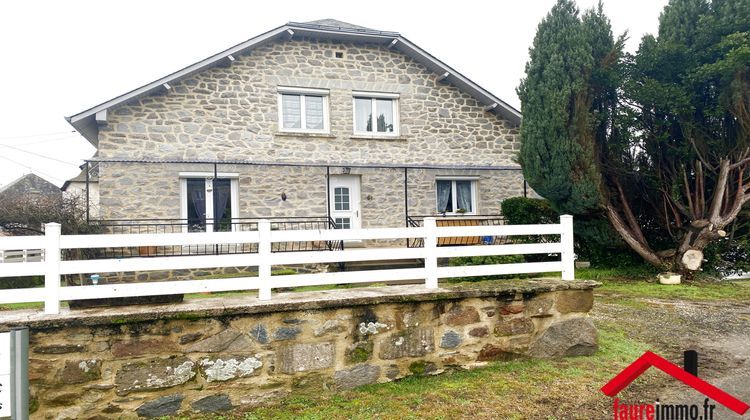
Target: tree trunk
[[631, 238]]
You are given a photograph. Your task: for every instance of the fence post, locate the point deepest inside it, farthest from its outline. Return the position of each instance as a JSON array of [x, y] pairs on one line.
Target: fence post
[[264, 254], [430, 253], [568, 254], [52, 268]]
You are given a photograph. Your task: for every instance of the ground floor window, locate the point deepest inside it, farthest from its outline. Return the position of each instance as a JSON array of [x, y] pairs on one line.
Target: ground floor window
[[456, 196], [209, 204]]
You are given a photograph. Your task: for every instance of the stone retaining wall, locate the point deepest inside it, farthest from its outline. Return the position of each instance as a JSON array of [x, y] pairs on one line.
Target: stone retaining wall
[[218, 354]]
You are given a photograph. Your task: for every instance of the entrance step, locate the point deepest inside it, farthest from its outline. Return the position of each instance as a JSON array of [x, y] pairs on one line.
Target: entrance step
[[383, 264]]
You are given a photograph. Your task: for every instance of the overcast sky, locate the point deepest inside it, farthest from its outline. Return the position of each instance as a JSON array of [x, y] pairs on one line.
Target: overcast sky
[[61, 57]]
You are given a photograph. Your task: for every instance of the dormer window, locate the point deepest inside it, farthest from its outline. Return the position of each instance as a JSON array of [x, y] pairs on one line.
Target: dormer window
[[376, 114], [303, 110]]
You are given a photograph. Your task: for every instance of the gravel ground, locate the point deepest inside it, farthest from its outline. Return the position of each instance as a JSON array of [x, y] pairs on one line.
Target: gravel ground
[[718, 331]]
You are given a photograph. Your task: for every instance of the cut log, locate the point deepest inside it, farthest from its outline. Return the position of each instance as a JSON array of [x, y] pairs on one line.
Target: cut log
[[692, 259]]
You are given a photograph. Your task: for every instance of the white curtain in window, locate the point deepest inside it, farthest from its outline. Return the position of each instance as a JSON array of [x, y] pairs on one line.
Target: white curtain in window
[[314, 112], [362, 114], [463, 195], [444, 196], [291, 111], [384, 109]]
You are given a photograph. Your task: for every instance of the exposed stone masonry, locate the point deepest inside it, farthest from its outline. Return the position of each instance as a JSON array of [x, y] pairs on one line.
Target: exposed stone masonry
[[231, 113], [235, 353]]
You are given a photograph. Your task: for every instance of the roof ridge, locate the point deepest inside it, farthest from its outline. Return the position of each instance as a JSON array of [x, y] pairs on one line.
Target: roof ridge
[[339, 26]]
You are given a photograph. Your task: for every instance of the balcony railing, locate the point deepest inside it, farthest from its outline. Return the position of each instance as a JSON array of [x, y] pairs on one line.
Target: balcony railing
[[460, 220], [165, 226]]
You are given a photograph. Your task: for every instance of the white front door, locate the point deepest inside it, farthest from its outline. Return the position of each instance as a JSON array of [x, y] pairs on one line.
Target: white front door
[[344, 201]]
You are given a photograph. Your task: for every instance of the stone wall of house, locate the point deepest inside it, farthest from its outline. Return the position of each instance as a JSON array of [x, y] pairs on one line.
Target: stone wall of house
[[231, 113], [217, 355], [157, 188], [228, 113]]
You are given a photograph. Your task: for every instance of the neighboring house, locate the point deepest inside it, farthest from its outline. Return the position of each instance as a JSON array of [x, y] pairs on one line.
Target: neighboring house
[[26, 189], [321, 119], [29, 186], [77, 187]]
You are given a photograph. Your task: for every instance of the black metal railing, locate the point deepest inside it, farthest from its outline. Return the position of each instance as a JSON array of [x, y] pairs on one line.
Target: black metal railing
[[460, 220], [157, 226]]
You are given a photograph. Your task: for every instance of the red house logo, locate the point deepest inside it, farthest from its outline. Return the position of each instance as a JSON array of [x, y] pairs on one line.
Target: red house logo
[[630, 373]]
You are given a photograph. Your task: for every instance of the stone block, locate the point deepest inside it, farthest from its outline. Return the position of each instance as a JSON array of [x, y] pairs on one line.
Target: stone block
[[154, 374], [414, 342], [459, 316], [357, 376], [224, 368], [189, 338], [259, 334], [510, 308], [571, 337], [163, 406], [305, 357], [227, 340], [80, 371], [450, 340], [59, 349], [479, 332], [574, 301], [212, 404], [330, 326], [141, 347], [538, 307], [514, 326], [492, 352], [286, 333]]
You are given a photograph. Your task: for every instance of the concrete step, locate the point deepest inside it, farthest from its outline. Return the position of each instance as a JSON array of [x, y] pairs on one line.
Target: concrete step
[[383, 264]]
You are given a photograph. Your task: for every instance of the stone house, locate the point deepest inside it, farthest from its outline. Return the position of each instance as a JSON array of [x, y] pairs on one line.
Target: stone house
[[321, 120], [29, 185]]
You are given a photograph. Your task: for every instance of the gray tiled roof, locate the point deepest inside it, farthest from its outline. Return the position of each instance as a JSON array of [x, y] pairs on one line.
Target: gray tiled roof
[[337, 24]]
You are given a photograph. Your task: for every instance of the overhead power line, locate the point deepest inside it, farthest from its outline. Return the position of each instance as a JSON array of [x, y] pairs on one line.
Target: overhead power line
[[38, 135], [40, 155], [23, 165], [30, 141]]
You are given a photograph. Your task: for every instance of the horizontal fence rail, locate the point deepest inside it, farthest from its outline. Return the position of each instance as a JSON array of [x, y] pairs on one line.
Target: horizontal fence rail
[[52, 245]]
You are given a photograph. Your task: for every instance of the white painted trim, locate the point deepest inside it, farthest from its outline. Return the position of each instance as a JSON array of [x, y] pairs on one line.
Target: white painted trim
[[209, 175], [396, 117], [303, 90], [378, 95], [457, 178], [454, 196], [303, 112]]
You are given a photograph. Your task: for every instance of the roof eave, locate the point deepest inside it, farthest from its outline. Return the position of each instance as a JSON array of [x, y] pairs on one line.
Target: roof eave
[[85, 121]]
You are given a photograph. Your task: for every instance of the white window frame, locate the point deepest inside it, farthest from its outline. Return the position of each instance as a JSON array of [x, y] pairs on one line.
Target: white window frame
[[394, 97], [209, 176], [454, 196], [304, 92]]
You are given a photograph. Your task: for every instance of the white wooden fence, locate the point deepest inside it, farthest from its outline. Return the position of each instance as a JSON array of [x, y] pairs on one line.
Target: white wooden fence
[[53, 243], [21, 255]]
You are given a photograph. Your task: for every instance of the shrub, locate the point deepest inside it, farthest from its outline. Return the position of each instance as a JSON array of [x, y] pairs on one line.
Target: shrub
[[528, 211]]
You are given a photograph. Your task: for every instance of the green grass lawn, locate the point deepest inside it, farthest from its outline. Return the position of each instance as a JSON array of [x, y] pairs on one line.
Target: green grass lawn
[[642, 283]]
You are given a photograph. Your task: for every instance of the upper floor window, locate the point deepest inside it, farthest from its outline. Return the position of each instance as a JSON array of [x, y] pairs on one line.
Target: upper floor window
[[456, 196], [303, 110], [376, 114]]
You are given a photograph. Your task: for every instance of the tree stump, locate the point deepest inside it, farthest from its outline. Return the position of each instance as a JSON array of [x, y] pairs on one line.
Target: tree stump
[[692, 259]]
